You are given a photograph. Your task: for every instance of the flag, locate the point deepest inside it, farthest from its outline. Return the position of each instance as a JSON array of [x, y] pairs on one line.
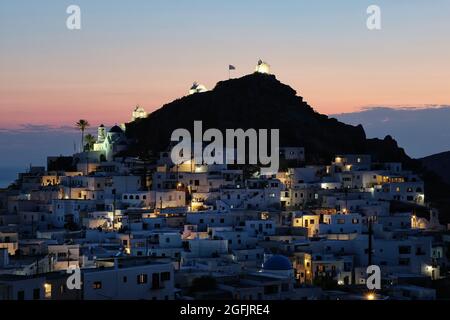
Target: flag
[[231, 67]]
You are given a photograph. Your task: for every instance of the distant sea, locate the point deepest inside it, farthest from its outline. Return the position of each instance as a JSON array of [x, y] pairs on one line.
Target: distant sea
[[8, 175]]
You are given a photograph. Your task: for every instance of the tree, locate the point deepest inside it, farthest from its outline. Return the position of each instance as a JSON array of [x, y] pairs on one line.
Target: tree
[[82, 125], [90, 140]]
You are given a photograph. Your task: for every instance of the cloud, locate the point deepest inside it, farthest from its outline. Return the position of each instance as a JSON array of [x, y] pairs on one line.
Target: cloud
[[421, 129], [43, 128]]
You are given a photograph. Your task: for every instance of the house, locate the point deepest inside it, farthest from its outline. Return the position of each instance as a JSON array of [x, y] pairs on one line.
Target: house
[[129, 279]]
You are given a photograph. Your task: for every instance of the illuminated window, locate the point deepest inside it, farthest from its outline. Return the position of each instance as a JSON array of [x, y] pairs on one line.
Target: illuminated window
[[97, 285], [142, 278], [48, 291]]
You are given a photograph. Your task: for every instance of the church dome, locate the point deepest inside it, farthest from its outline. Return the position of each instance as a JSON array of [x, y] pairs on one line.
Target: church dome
[[277, 262], [116, 129]]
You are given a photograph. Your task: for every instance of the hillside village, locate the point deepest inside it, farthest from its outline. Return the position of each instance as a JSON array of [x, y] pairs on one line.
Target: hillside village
[[141, 229]]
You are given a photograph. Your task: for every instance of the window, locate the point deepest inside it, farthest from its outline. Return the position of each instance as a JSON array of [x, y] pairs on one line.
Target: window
[[21, 295], [404, 249], [125, 279], [270, 289], [48, 290], [155, 281], [403, 261], [165, 276], [142, 278], [97, 285], [36, 294]]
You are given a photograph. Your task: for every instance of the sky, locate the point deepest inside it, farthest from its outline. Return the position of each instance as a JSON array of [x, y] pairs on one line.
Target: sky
[[420, 130], [149, 52]]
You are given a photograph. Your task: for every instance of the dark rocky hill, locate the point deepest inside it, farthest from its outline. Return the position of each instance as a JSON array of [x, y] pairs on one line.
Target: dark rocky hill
[[439, 164], [261, 101]]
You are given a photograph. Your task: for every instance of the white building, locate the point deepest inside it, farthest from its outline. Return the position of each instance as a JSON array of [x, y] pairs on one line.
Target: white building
[[129, 279]]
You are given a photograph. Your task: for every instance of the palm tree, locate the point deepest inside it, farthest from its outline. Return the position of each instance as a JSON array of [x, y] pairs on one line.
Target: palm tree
[[82, 125], [90, 140]]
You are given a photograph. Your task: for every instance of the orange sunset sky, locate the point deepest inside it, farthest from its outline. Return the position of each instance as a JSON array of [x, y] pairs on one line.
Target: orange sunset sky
[[150, 52]]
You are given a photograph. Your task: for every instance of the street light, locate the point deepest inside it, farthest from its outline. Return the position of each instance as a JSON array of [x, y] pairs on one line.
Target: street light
[[370, 296]]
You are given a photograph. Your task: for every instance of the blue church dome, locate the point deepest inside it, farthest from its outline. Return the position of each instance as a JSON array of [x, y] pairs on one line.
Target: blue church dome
[[116, 129], [277, 262]]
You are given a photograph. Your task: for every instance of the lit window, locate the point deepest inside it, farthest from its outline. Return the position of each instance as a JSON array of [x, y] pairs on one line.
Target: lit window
[[142, 278], [48, 291]]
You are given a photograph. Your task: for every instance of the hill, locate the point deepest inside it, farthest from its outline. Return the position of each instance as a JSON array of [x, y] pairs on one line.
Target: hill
[[260, 101], [438, 164]]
